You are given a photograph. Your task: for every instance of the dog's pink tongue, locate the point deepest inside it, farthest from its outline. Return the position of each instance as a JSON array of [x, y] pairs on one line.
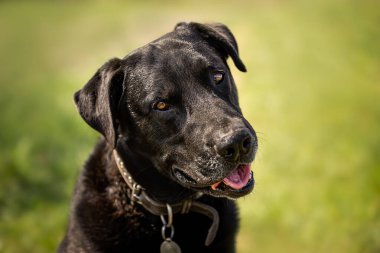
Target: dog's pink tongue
[[239, 177]]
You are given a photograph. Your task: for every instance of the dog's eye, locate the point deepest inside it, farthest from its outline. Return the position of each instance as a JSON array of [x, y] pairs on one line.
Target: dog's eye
[[218, 77], [161, 106]]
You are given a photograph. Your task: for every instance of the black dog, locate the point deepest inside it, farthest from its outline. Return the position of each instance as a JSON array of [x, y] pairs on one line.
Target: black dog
[[176, 149]]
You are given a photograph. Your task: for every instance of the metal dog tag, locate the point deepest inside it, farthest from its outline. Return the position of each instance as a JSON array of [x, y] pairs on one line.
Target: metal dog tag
[[168, 246]]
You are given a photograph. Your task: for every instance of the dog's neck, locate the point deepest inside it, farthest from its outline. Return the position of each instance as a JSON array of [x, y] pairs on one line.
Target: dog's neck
[[166, 201], [143, 173]]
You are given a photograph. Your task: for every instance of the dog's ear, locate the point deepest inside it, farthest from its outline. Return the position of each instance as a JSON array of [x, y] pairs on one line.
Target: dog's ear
[[98, 100], [220, 37]]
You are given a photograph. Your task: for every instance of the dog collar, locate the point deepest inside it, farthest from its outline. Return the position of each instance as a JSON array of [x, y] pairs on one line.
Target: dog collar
[[139, 195]]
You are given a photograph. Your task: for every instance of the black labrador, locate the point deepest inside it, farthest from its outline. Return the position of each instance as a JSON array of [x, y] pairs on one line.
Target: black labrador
[[176, 150]]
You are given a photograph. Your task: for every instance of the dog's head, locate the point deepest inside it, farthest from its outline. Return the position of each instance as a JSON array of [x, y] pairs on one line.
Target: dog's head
[[174, 102]]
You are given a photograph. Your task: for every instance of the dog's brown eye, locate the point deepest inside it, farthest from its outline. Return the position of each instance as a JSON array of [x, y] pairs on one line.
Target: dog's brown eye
[[218, 78], [161, 106]]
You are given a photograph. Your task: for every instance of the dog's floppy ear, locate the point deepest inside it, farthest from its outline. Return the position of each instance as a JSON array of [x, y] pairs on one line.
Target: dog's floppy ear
[[220, 37], [98, 100]]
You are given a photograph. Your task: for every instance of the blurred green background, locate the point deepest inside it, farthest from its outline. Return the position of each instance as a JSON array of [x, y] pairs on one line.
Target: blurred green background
[[312, 92]]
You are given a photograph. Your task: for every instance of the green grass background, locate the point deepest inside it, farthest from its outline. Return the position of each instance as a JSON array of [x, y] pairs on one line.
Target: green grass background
[[312, 92]]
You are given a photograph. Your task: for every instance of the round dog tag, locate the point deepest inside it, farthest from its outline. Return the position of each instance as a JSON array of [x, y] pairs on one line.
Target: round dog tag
[[168, 246]]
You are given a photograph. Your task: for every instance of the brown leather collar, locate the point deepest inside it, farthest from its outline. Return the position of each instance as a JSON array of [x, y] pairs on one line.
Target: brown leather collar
[[140, 196]]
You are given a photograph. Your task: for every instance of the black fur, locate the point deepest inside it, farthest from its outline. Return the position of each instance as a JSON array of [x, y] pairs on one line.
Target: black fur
[[173, 153]]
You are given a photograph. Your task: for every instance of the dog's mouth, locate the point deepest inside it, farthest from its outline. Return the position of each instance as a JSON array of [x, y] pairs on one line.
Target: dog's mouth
[[237, 179], [237, 183]]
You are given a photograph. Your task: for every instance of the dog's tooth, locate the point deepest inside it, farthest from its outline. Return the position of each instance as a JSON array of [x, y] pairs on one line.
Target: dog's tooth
[[214, 186]]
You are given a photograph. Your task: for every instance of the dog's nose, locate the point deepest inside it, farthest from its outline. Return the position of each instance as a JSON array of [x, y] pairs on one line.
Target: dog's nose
[[235, 145]]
